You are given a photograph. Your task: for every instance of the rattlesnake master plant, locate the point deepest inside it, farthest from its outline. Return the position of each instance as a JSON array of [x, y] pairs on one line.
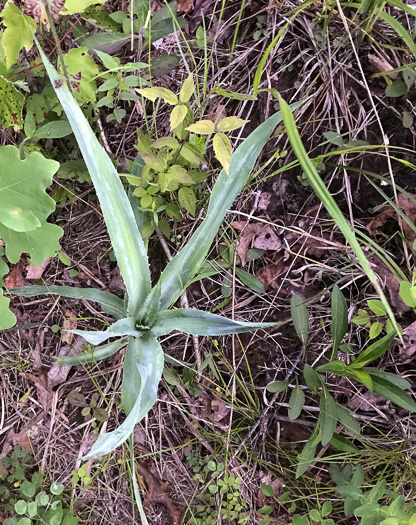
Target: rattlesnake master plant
[[144, 316]]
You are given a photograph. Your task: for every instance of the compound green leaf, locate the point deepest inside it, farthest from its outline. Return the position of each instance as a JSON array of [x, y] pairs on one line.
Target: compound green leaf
[[148, 367], [18, 33], [22, 189], [11, 105], [78, 6]]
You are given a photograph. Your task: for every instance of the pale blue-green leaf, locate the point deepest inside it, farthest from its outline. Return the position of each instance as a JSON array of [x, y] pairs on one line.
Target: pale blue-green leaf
[[150, 366], [339, 310], [100, 352], [118, 215], [184, 266], [300, 317], [198, 322], [110, 303], [120, 328], [131, 376]]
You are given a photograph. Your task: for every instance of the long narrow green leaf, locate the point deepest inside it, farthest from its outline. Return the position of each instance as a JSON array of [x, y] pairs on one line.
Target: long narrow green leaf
[[118, 215], [326, 198], [328, 408], [149, 364], [308, 453], [120, 328], [184, 266], [110, 303], [373, 352], [390, 391], [300, 317], [339, 324], [131, 377], [101, 352], [197, 322]]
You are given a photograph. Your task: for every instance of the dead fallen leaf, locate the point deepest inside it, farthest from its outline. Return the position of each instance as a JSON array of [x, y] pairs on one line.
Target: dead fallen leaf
[[261, 236], [390, 284], [15, 277], [381, 65], [43, 394], [220, 411], [408, 207], [216, 113], [270, 273], [276, 485], [70, 323], [184, 6], [58, 373], [409, 351], [36, 272], [156, 494]]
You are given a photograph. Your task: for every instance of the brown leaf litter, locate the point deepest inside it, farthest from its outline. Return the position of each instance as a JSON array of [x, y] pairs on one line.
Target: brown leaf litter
[[257, 235]]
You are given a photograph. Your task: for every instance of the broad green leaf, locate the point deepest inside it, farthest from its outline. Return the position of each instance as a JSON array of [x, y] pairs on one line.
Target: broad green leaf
[[200, 323], [108, 61], [187, 200], [166, 142], [202, 127], [53, 130], [185, 265], [326, 198], [7, 318], [375, 330], [308, 453], [148, 367], [333, 367], [18, 33], [231, 123], [300, 317], [163, 64], [159, 92], [250, 280], [406, 294], [110, 303], [11, 105], [121, 328], [374, 351], [22, 189], [187, 89], [78, 6], [394, 393], [392, 378], [192, 154], [118, 214], [162, 22], [97, 354], [277, 386], [223, 151], [79, 62], [343, 444], [296, 402], [339, 325], [376, 306], [177, 116], [345, 417], [180, 175], [156, 162], [362, 318], [328, 410], [108, 42], [312, 379]]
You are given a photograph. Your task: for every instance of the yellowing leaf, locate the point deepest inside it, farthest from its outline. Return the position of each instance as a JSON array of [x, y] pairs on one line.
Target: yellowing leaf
[[154, 161], [18, 33], [180, 175], [187, 90], [223, 151], [192, 154], [11, 105], [158, 92], [203, 127], [231, 123], [166, 142], [177, 116], [78, 6]]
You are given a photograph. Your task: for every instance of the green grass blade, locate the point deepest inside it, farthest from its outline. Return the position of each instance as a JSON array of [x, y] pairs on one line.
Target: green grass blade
[[197, 322], [328, 201], [110, 303], [403, 6], [101, 352], [118, 215], [149, 367], [184, 266]]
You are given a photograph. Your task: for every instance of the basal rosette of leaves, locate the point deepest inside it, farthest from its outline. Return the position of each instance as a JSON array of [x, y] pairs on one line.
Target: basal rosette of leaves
[[144, 315], [24, 208]]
